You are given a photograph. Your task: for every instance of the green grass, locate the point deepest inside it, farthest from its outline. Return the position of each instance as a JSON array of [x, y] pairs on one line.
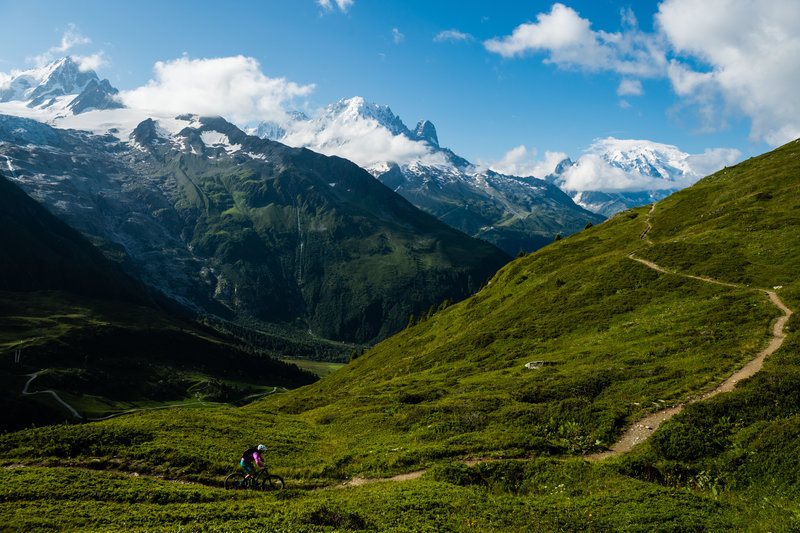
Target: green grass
[[105, 357], [622, 340], [320, 368], [368, 259], [509, 496]]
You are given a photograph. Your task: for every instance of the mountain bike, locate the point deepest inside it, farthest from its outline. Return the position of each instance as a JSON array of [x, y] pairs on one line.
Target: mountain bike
[[260, 480]]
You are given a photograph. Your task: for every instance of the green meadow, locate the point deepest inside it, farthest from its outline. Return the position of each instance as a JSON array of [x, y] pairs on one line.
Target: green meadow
[[614, 340]]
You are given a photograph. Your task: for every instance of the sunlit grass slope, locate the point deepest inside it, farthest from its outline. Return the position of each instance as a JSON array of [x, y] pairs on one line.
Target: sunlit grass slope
[[539, 496], [618, 340]]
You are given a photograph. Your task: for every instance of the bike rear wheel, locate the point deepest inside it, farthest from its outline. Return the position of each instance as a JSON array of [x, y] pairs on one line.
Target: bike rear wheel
[[235, 481]]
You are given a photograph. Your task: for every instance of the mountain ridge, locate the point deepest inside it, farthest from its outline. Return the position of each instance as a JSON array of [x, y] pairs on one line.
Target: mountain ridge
[[45, 86], [251, 226], [516, 214], [548, 363]]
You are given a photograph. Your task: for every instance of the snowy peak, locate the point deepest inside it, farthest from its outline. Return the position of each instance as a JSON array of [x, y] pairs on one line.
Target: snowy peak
[[425, 131], [645, 157], [42, 87], [59, 78], [352, 109]]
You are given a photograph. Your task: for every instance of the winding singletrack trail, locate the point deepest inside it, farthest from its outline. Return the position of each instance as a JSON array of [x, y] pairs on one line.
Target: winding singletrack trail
[[644, 427], [640, 430]]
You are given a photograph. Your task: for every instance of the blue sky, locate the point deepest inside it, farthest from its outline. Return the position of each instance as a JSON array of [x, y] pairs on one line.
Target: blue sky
[[551, 77]]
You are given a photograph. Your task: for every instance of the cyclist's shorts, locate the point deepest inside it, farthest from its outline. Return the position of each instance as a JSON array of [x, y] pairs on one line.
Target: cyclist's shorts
[[248, 467]]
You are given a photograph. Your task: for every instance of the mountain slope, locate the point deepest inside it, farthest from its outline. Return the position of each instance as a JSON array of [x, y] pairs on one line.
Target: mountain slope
[[60, 85], [85, 328], [613, 338], [511, 212], [617, 339], [39, 252], [248, 229]]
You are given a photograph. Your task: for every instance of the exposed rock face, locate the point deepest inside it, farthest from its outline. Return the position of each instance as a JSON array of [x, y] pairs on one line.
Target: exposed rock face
[[242, 227], [425, 131], [96, 95], [45, 86]]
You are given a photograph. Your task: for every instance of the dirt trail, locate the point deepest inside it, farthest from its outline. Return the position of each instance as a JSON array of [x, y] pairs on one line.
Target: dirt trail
[[358, 480], [644, 427], [641, 430]]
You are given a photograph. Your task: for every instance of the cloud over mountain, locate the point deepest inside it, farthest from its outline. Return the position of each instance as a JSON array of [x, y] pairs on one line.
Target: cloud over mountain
[[631, 165], [233, 87]]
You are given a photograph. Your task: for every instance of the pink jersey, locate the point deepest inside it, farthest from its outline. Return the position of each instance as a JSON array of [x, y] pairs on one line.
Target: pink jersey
[[254, 458]]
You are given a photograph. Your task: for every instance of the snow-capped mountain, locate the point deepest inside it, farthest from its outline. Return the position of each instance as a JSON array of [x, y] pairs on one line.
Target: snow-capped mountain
[[60, 85], [241, 227], [660, 161], [511, 212], [616, 174]]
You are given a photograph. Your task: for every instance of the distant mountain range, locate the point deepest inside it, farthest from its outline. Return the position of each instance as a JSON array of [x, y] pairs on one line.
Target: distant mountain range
[[511, 210], [514, 213], [653, 170], [243, 228]]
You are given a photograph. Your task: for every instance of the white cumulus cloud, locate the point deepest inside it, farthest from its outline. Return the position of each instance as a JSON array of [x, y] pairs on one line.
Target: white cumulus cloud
[[724, 58], [712, 160], [570, 42], [630, 165], [630, 87], [233, 87], [91, 62], [521, 161], [359, 139], [397, 37], [747, 54]]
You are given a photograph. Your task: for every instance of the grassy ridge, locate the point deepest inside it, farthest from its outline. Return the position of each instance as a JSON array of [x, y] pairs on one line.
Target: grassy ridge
[[619, 337], [622, 339]]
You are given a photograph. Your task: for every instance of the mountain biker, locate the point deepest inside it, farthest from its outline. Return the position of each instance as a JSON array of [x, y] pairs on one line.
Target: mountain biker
[[250, 456]]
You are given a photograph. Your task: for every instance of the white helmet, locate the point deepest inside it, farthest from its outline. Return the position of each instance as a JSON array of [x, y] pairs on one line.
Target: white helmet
[[262, 448]]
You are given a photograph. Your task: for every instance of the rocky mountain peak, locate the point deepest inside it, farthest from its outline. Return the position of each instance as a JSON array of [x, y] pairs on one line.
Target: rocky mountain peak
[[426, 131], [61, 77], [351, 109], [147, 134], [96, 95], [42, 86]]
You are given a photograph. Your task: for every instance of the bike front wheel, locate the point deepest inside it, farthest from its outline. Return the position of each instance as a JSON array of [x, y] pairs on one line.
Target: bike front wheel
[[235, 481], [271, 482]]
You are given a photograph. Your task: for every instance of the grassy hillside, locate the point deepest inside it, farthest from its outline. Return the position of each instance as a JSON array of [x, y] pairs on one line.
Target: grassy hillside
[[72, 322], [294, 237], [618, 340]]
